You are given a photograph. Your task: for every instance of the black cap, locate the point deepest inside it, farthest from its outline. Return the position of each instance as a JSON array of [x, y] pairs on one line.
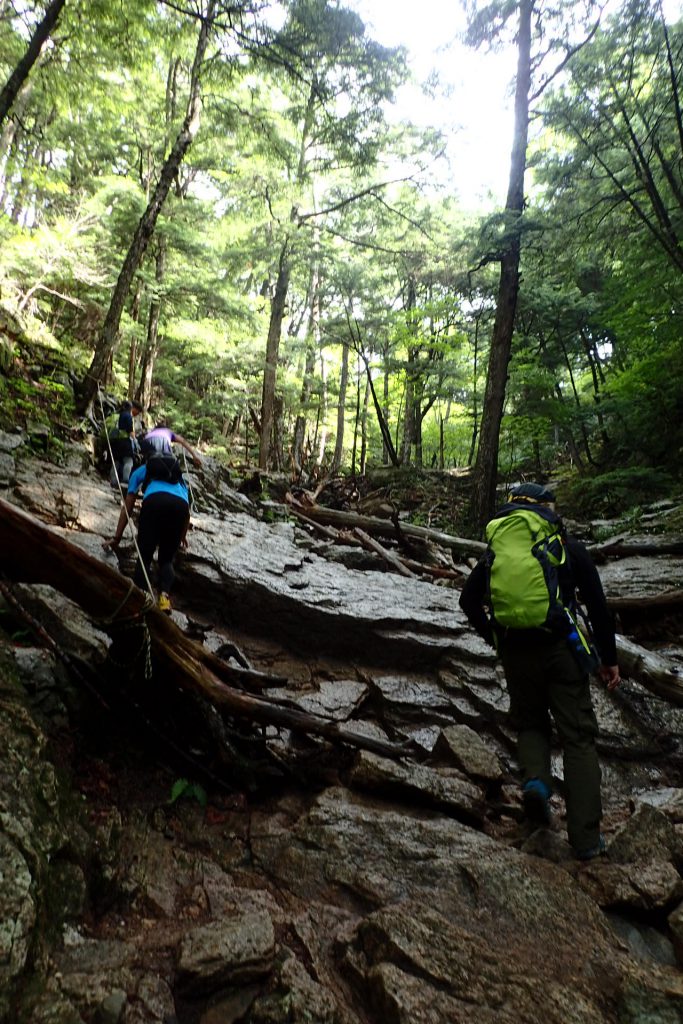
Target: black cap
[[531, 492]]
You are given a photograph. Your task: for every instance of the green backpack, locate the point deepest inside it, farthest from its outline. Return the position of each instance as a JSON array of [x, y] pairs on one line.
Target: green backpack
[[110, 428], [526, 548]]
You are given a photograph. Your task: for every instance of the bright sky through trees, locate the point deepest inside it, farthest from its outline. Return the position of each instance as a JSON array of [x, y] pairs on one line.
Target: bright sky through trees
[[470, 102]]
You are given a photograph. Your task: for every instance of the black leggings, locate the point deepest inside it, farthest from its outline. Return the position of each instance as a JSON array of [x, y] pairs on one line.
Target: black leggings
[[163, 517]]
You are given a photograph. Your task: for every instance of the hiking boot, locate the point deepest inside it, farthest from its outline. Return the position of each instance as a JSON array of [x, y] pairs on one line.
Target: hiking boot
[[535, 797], [594, 851], [164, 604]]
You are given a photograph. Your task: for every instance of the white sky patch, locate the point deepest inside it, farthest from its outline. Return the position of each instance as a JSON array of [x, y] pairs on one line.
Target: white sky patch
[[473, 106]]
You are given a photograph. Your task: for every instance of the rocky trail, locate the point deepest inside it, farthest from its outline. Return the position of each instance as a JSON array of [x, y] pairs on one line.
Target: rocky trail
[[169, 858]]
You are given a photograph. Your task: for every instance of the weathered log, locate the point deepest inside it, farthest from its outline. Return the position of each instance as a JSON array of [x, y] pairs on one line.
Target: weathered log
[[389, 556], [621, 547], [437, 571], [668, 599], [35, 553], [387, 528], [325, 531], [344, 537], [650, 670]]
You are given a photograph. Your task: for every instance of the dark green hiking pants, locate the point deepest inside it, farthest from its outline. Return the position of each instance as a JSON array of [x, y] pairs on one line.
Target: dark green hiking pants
[[543, 679]]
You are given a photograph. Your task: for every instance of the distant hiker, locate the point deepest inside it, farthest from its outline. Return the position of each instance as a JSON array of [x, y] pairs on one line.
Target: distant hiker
[[521, 598], [164, 518], [139, 425], [162, 438], [121, 435]]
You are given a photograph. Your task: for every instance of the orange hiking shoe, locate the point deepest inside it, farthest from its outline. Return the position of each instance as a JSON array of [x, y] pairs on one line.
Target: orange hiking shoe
[[164, 604]]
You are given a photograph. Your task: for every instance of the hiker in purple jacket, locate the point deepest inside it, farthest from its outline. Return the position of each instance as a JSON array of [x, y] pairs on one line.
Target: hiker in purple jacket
[[161, 438]]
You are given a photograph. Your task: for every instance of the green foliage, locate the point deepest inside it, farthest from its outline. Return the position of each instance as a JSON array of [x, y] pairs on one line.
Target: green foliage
[[24, 399], [183, 788], [645, 407], [295, 163], [617, 493]]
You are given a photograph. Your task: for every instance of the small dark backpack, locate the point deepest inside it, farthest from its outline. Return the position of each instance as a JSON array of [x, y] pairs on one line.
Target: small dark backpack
[[164, 468]]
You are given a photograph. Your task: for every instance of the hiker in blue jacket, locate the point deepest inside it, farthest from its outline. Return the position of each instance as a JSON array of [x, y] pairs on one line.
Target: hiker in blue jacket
[[164, 518], [547, 673]]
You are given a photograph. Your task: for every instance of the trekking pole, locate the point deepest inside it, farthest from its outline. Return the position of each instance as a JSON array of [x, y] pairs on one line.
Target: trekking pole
[[122, 500]]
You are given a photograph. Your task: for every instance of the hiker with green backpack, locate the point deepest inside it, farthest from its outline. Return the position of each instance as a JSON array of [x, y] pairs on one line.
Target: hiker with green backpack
[[521, 597], [117, 443]]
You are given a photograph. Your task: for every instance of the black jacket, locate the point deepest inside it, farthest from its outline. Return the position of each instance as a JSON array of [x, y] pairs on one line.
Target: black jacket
[[578, 573]]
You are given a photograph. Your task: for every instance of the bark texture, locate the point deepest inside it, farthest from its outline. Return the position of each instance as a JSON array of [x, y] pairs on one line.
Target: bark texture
[[143, 233], [486, 466]]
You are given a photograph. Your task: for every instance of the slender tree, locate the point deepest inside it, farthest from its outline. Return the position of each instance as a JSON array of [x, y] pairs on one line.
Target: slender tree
[[145, 229], [335, 58], [485, 474], [17, 79], [486, 466]]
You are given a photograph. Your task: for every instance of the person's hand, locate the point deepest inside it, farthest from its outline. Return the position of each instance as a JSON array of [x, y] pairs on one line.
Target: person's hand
[[610, 676], [111, 544], [197, 461]]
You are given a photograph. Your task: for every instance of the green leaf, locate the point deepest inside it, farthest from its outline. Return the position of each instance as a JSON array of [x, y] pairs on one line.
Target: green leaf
[[180, 786]]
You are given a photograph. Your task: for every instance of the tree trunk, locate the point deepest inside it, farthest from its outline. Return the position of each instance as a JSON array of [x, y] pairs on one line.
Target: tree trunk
[[278, 305], [475, 385], [341, 410], [486, 466], [409, 421], [356, 419], [277, 314], [147, 224], [364, 430], [23, 68], [442, 462], [384, 408], [322, 412], [312, 339], [381, 419], [408, 418], [598, 379], [134, 353], [573, 447], [388, 528], [144, 392], [9, 135]]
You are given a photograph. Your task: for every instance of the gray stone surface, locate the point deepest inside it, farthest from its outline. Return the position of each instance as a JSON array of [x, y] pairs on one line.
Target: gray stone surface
[[355, 889], [232, 950], [469, 751]]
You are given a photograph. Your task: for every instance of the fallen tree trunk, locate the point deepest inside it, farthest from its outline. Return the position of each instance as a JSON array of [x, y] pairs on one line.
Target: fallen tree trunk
[[387, 528], [651, 670], [667, 599], [328, 532], [35, 553], [389, 557], [413, 567], [622, 547]]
